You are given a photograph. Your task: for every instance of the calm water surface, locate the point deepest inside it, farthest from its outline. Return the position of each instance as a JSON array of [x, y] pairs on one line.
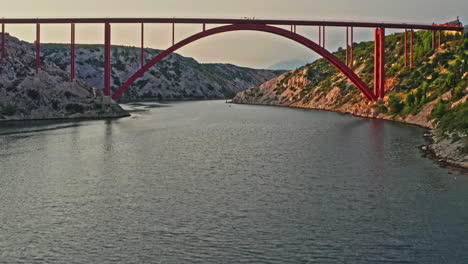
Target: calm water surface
[[206, 182]]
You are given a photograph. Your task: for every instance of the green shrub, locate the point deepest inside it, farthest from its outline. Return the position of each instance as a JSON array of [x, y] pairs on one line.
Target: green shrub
[[9, 110], [395, 104], [440, 109], [458, 93], [74, 108], [33, 94]]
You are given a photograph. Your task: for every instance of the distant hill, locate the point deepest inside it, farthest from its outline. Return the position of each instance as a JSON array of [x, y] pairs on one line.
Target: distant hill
[[289, 65], [174, 78]]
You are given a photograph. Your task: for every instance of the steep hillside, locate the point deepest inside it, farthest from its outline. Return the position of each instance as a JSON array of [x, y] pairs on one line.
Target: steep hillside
[[432, 95], [176, 77], [47, 95]]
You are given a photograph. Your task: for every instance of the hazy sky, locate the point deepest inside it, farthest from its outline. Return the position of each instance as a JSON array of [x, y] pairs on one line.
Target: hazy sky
[[243, 48]]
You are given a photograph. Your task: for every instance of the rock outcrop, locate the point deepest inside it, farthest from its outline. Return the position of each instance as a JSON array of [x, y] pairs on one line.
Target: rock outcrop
[[49, 94]]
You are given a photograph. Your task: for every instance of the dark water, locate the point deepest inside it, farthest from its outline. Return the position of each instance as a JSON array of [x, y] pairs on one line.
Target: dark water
[[205, 182]]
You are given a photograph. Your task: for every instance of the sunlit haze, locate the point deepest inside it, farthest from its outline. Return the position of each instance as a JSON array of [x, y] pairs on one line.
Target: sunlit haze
[[251, 49]]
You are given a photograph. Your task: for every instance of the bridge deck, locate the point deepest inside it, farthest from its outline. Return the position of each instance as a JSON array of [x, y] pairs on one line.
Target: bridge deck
[[330, 23]]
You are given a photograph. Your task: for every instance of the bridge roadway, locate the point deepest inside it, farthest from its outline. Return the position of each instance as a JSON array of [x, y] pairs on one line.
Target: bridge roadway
[[222, 21]]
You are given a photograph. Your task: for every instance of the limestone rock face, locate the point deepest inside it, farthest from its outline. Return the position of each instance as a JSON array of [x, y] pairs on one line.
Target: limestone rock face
[[174, 78], [47, 95]]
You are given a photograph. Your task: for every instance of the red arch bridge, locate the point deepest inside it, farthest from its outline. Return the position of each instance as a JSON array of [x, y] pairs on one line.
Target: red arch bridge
[[227, 25]]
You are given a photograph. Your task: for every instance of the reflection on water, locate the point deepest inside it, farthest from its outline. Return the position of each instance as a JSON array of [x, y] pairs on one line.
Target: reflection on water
[[214, 183]]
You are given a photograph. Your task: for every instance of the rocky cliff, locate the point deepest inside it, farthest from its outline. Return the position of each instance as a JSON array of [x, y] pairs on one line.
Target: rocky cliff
[[49, 94], [174, 78], [432, 95]]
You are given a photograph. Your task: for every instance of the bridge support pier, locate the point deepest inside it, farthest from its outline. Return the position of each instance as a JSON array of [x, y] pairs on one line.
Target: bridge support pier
[[72, 52], [440, 39], [412, 48], [3, 43], [320, 36], [347, 46], [406, 47], [351, 65], [173, 34], [107, 59], [142, 55], [350, 47], [379, 63], [323, 37], [38, 47]]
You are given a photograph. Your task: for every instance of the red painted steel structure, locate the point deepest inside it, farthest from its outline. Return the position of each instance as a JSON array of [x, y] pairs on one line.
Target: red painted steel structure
[[320, 36], [107, 59], [38, 47], [379, 63], [72, 54], [352, 48], [323, 36], [244, 24], [255, 27], [440, 39], [223, 21], [376, 61], [347, 46], [173, 34], [3, 43], [406, 47], [142, 55], [411, 48]]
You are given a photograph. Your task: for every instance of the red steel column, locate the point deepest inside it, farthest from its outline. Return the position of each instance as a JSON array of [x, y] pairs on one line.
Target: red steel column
[[382, 64], [323, 38], [38, 47], [433, 40], [412, 48], [204, 27], [142, 45], [107, 60], [406, 47], [320, 36], [173, 34], [347, 46], [440, 39], [352, 49], [376, 61], [3, 43], [72, 58]]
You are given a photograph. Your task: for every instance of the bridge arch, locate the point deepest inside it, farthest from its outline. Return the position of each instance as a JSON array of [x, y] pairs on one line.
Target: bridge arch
[[254, 27]]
